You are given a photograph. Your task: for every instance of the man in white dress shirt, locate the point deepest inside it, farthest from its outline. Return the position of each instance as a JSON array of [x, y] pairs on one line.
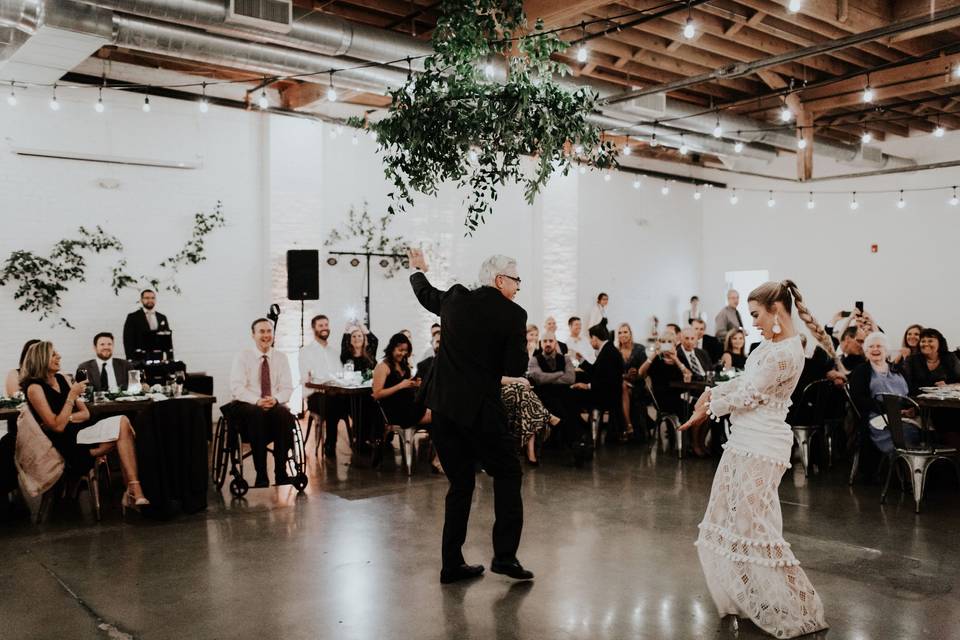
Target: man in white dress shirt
[[260, 383], [578, 346], [319, 363], [105, 372]]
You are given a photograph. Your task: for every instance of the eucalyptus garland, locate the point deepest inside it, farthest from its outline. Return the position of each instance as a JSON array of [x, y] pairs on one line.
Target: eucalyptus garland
[[374, 237], [41, 281], [457, 122]]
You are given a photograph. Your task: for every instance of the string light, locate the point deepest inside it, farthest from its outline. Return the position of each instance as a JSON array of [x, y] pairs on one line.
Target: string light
[[54, 105], [204, 105], [627, 150], [607, 176], [868, 91], [696, 194], [262, 101], [689, 29], [786, 115], [99, 108], [738, 147], [900, 202], [582, 50], [810, 203], [854, 205], [12, 98], [665, 189], [637, 184], [801, 142], [683, 146], [956, 71], [939, 131], [146, 104], [953, 200], [331, 91], [583, 169], [771, 203], [866, 138], [488, 71], [733, 197], [718, 130], [472, 155], [355, 140], [578, 149], [653, 140], [794, 6]]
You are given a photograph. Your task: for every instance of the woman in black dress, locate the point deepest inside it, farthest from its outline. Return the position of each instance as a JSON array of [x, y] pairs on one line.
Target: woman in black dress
[[735, 350], [634, 355], [395, 388], [59, 410], [358, 347]]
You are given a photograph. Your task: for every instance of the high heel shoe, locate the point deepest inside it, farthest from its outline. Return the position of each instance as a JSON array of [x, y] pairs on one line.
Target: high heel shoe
[[130, 501]]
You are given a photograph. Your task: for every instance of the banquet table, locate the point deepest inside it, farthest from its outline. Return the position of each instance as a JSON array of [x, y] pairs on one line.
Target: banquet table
[[171, 448], [939, 401], [358, 397]]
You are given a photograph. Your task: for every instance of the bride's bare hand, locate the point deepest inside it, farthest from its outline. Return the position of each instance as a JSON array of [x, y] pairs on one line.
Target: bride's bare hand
[[699, 412]]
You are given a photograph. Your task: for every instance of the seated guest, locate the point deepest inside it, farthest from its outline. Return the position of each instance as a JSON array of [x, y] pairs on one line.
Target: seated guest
[[851, 354], [526, 414], [872, 379], [12, 384], [105, 373], [910, 345], [735, 350], [728, 318], [425, 366], [674, 329], [395, 388], [550, 326], [934, 366], [434, 332], [319, 362], [633, 355], [707, 342], [59, 410], [693, 357], [551, 374], [665, 367], [358, 347], [533, 339], [578, 344], [815, 367], [141, 325], [604, 379], [260, 383]]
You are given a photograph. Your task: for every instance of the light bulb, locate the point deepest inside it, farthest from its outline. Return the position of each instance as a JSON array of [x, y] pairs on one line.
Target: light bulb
[[204, 105], [954, 200], [868, 95], [637, 184], [578, 149], [582, 54], [810, 203], [900, 203], [801, 143], [683, 147], [794, 6], [146, 104], [717, 131], [771, 202], [653, 141], [939, 131], [54, 105], [733, 197], [583, 169], [355, 141], [606, 177], [472, 155], [866, 138], [627, 150], [331, 94], [956, 71], [854, 205], [738, 147], [488, 71], [262, 101], [689, 30], [99, 108], [664, 190], [785, 114], [12, 98], [697, 195]]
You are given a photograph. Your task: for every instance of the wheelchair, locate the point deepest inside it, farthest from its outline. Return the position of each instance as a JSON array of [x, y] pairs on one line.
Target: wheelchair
[[228, 456]]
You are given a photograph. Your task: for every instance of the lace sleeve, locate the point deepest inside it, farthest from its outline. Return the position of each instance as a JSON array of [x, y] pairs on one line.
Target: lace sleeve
[[764, 384]]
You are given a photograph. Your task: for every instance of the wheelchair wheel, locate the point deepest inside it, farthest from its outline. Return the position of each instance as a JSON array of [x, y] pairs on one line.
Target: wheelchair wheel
[[239, 487], [300, 481], [297, 460], [220, 455]]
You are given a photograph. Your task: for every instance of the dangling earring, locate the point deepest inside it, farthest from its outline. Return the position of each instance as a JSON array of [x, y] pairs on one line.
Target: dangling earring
[[776, 326]]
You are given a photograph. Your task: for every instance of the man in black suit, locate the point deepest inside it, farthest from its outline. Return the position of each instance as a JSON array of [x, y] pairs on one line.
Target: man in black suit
[[692, 356], [552, 373], [483, 337], [425, 365], [604, 378], [142, 325], [707, 342], [105, 372]]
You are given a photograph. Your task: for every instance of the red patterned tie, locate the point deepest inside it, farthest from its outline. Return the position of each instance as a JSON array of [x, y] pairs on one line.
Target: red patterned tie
[[265, 379]]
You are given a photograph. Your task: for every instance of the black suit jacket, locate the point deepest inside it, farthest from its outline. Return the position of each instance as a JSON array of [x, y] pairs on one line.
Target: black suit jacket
[[713, 347], [135, 330], [424, 367], [702, 356], [483, 337], [605, 375], [121, 368]]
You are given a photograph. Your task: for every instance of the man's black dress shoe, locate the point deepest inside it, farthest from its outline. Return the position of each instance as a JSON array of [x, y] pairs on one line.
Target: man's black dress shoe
[[463, 572], [284, 479], [511, 568], [261, 482]]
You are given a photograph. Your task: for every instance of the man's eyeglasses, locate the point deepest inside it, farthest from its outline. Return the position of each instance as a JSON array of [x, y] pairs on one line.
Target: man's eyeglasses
[[517, 280]]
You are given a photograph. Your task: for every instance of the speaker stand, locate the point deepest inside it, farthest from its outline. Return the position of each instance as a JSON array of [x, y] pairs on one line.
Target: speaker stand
[[301, 324]]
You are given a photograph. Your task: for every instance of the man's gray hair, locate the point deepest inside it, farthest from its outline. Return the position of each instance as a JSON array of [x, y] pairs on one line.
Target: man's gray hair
[[495, 266]]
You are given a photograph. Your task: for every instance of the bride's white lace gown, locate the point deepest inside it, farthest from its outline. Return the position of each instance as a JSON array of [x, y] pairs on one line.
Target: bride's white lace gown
[[750, 569]]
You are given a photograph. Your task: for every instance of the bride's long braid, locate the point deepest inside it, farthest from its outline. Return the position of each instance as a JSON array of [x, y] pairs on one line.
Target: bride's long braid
[[815, 327]]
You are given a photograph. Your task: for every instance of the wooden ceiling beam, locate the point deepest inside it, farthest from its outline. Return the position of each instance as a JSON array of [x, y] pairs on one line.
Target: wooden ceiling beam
[[396, 8], [558, 12]]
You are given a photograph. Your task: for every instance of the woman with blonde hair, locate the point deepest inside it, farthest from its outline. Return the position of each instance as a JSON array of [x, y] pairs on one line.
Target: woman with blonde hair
[[533, 339], [634, 355], [749, 568], [59, 409], [735, 350]]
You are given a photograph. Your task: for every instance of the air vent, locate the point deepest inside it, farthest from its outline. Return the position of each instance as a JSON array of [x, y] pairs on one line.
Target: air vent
[[654, 105], [272, 15]]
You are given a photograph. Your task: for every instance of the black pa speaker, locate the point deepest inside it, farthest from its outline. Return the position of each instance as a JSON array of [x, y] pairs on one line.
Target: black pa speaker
[[303, 274]]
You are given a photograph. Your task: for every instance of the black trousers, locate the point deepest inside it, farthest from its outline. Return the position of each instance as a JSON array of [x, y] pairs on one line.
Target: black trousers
[[460, 446], [260, 427], [561, 401], [331, 410]]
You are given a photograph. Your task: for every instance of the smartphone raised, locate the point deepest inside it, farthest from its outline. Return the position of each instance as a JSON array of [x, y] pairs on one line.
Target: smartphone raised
[[844, 314], [859, 305]]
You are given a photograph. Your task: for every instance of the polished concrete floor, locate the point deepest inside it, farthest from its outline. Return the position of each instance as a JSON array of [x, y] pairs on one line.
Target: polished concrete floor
[[357, 557]]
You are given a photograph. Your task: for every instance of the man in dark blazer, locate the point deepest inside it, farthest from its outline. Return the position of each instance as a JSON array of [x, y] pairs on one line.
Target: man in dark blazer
[[482, 338], [693, 357], [105, 372], [140, 324], [707, 342], [604, 378]]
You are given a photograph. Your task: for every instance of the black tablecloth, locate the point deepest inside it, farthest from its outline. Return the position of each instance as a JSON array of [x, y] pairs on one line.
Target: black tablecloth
[[172, 455]]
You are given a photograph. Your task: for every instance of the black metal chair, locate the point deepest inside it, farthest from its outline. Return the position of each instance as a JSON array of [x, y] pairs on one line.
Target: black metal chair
[[76, 480], [821, 412], [668, 425], [228, 455], [918, 458], [408, 439]]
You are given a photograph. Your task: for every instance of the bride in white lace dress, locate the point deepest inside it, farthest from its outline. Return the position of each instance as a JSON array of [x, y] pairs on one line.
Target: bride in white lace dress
[[749, 567]]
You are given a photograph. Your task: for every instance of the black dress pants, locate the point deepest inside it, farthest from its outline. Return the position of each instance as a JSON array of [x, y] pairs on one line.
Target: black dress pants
[[260, 427], [488, 441], [331, 410], [560, 401]]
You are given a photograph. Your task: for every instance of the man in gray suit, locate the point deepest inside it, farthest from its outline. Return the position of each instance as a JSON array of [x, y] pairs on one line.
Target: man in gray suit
[[105, 372]]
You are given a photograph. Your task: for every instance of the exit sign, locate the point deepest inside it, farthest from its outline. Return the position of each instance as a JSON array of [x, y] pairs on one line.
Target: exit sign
[[874, 248]]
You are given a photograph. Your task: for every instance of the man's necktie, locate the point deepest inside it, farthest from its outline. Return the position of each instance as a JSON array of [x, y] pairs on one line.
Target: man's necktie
[[104, 380], [695, 364], [265, 378]]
